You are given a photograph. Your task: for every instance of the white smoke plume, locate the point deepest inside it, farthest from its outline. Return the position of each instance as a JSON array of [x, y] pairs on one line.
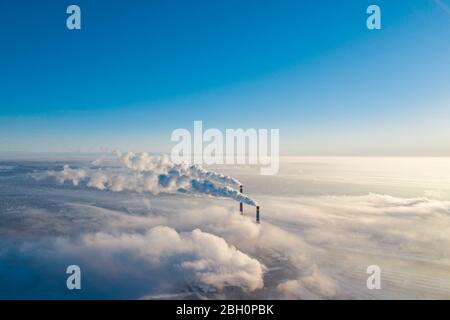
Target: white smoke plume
[[207, 187], [144, 173], [67, 174], [142, 162]]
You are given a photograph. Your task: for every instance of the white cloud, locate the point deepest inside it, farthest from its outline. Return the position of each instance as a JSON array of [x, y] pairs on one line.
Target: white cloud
[[208, 257], [315, 285], [314, 247], [67, 174]]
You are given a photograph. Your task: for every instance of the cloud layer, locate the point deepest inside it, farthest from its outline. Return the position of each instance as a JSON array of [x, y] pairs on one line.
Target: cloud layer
[[137, 245], [208, 257]]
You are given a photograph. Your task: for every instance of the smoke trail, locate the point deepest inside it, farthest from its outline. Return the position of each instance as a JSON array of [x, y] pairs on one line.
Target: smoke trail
[[207, 187], [154, 174], [142, 162]]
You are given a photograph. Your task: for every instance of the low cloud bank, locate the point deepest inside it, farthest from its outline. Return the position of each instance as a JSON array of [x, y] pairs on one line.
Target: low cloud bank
[[313, 286], [209, 258], [308, 247]]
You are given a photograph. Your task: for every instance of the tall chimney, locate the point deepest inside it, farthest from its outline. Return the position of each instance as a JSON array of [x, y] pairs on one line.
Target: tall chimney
[[257, 214], [241, 205]]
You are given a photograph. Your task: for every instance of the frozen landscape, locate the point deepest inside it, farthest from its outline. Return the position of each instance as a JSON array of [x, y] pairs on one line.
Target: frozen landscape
[[323, 222]]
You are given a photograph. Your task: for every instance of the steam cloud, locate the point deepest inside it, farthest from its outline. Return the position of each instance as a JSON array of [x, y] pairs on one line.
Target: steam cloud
[[144, 173]]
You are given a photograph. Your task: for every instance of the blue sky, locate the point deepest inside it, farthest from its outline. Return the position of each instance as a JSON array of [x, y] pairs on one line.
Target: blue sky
[[139, 69]]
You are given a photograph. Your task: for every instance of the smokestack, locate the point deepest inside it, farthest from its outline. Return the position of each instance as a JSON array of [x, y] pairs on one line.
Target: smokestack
[[241, 205], [257, 214]]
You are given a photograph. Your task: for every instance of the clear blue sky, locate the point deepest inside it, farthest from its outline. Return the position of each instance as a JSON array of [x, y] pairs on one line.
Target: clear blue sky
[[139, 69]]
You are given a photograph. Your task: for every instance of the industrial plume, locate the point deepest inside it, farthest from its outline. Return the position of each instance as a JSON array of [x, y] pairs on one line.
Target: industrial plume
[[154, 174], [143, 162]]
